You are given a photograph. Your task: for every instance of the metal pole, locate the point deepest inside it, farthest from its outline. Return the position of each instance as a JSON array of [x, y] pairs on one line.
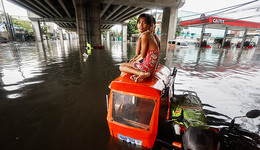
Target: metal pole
[[201, 36], [224, 38], [7, 21], [3, 8], [244, 38]]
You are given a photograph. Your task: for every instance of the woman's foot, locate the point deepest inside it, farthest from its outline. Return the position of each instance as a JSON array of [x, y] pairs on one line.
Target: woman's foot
[[133, 77], [141, 77]]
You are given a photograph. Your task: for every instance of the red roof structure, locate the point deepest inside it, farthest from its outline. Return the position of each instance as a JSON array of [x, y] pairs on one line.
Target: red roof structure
[[221, 23]]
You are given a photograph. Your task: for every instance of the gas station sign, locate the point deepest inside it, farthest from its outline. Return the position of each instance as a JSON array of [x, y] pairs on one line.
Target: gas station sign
[[218, 21]]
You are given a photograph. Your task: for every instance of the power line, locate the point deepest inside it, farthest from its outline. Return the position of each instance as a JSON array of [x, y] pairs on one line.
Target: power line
[[253, 16], [236, 6], [224, 9], [250, 8]]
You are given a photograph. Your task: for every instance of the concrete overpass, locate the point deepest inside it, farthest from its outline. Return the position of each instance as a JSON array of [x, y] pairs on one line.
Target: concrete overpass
[[89, 17]]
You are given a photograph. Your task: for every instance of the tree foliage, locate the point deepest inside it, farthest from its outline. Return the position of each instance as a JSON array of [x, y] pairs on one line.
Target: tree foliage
[[132, 27], [178, 28], [44, 29], [25, 25]]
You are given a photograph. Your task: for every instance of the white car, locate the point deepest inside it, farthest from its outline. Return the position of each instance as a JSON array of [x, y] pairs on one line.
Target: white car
[[177, 44]]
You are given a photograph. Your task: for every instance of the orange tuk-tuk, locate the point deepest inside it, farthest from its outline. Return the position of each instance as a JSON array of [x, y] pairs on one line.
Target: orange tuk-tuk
[[138, 114], [135, 110]]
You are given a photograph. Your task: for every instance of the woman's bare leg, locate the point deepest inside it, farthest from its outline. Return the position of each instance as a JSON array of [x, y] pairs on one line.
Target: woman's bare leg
[[129, 68]]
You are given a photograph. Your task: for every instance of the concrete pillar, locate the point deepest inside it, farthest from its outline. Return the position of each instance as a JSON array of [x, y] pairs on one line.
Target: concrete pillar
[[224, 38], [124, 53], [108, 36], [80, 9], [124, 32], [69, 35], [108, 39], [173, 23], [61, 35], [102, 37], [169, 22], [69, 38], [201, 34], [40, 47], [94, 22], [37, 31], [61, 39], [244, 38]]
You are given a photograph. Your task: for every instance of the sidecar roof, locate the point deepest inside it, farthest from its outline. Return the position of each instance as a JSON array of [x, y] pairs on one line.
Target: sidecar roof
[[151, 86]]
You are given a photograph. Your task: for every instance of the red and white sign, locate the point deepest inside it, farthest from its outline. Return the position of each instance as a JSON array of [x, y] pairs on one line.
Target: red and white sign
[[219, 21]]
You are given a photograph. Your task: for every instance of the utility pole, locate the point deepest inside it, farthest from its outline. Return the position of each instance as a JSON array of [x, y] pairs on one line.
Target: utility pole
[[7, 23]]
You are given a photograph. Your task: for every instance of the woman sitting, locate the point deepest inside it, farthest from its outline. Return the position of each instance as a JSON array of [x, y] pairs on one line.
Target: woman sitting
[[149, 52]]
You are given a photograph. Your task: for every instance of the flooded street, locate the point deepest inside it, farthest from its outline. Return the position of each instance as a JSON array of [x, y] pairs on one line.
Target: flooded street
[[226, 79], [51, 98]]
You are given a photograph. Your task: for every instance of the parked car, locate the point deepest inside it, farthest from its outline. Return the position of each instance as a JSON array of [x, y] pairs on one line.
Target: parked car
[[177, 44]]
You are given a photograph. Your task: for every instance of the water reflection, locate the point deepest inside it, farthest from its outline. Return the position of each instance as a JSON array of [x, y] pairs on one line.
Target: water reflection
[[117, 53], [51, 98], [21, 62], [54, 97], [223, 78]]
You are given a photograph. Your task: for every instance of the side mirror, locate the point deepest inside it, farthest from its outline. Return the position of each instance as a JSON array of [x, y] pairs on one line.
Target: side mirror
[[253, 113]]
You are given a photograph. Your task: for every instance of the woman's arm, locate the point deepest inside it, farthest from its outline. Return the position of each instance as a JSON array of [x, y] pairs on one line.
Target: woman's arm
[[138, 46], [137, 50], [144, 43]]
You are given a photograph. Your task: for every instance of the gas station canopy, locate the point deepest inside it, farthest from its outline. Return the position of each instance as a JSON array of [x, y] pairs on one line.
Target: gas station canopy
[[221, 23]]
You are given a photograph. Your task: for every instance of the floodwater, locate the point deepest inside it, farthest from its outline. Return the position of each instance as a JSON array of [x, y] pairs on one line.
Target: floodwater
[[52, 98]]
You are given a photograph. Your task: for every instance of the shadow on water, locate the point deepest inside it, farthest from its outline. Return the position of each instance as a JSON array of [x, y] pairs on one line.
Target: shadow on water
[[51, 98]]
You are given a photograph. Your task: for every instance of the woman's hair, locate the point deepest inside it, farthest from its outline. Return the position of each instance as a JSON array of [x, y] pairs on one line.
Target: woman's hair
[[153, 19], [147, 17]]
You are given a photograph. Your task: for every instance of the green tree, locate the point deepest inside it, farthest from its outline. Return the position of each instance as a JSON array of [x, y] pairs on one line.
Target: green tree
[[44, 30], [25, 25], [178, 28], [132, 27]]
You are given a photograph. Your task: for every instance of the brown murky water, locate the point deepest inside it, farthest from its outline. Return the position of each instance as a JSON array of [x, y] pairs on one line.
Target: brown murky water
[[50, 98]]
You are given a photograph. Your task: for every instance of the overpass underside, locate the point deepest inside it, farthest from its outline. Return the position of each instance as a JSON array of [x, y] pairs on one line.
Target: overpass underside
[[89, 17]]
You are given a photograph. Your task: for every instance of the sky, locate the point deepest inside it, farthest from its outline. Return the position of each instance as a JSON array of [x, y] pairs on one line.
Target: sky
[[13, 9], [203, 6], [208, 5], [200, 6], [190, 5]]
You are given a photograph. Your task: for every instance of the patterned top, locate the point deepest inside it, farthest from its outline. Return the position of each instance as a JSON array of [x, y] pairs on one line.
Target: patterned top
[[149, 62]]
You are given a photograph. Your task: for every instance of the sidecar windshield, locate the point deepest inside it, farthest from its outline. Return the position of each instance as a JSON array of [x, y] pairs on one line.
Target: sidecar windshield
[[131, 110]]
